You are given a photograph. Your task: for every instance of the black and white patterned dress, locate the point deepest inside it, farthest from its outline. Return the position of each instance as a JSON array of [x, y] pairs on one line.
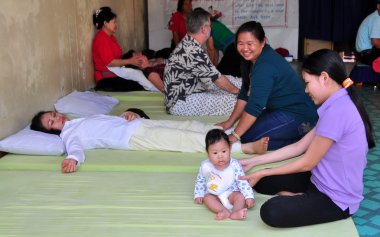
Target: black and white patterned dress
[[189, 83]]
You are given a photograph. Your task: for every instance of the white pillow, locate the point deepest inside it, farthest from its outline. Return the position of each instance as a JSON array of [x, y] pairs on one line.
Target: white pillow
[[134, 75], [82, 104], [31, 142]]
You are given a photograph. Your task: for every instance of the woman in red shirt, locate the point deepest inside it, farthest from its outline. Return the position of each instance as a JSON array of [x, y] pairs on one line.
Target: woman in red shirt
[[177, 23], [106, 52]]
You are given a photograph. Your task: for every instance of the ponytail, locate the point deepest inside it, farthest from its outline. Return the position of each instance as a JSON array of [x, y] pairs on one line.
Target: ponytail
[[245, 67], [329, 61], [354, 95]]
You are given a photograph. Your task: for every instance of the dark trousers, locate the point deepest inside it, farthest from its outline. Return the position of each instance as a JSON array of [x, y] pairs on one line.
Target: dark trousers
[[230, 62], [118, 84], [311, 207], [368, 56]]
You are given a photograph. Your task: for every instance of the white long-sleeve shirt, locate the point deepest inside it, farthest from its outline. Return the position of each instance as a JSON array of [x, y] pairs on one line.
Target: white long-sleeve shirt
[[97, 131]]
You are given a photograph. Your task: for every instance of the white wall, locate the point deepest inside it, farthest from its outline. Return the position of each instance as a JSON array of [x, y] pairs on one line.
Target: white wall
[[285, 37], [159, 35], [45, 52]]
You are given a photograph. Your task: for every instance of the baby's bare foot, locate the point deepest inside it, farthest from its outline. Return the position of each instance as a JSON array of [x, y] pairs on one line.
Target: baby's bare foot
[[239, 215], [222, 215]]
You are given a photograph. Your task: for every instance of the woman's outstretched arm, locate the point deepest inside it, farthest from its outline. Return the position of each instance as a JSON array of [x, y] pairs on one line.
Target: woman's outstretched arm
[[316, 151], [281, 154], [136, 60]]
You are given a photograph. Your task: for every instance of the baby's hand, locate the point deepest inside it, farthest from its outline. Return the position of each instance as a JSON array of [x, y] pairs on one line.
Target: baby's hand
[[198, 200], [250, 202]]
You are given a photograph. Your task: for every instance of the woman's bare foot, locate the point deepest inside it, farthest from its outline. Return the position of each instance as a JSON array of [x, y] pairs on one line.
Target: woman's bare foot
[[286, 193], [257, 147], [239, 215], [222, 215]]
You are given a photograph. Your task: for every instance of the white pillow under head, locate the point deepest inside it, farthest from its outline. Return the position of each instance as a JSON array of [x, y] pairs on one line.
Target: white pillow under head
[[83, 104], [31, 142]]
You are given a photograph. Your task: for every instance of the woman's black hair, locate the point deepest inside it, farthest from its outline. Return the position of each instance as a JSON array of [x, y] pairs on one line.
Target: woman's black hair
[[257, 30], [103, 14], [180, 5], [36, 124], [215, 135], [329, 61]]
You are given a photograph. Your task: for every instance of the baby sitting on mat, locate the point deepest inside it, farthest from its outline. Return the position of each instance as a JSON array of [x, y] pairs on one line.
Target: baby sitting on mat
[[218, 185]]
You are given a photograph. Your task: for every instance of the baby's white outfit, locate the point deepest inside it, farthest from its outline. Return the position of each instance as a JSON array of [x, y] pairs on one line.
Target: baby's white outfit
[[221, 182]]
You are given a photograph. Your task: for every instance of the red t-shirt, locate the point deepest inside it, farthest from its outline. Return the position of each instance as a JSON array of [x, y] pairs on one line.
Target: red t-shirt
[[105, 48], [177, 24]]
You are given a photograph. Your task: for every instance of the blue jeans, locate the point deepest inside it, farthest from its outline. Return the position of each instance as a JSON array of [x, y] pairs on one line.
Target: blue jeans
[[281, 128]]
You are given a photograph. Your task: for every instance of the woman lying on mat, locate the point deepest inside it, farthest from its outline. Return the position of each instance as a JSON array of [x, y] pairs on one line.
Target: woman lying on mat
[[106, 52], [128, 132], [326, 183]]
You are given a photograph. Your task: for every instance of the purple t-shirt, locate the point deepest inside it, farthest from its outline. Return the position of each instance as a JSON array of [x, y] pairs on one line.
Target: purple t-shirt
[[339, 174]]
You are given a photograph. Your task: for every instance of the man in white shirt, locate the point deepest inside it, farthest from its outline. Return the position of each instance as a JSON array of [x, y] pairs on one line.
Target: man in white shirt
[[368, 37]]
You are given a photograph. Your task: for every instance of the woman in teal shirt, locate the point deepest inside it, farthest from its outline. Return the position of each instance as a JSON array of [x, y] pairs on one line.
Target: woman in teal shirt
[[272, 102]]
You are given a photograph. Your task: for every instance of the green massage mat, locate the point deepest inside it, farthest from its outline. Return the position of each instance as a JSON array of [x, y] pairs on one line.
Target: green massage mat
[[125, 193]]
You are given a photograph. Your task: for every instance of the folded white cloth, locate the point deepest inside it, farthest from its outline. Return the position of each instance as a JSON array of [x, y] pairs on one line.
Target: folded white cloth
[[134, 75]]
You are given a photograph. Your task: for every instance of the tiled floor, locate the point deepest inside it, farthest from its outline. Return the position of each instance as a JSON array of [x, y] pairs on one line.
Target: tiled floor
[[367, 219]]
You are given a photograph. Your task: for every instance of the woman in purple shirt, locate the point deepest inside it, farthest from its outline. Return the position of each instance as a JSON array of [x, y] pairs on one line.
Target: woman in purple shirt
[[326, 182]]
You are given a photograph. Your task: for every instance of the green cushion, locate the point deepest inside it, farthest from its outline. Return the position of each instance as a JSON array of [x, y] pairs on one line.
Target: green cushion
[[124, 193]]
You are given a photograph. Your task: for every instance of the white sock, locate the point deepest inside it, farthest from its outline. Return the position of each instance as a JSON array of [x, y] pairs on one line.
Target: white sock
[[236, 147], [229, 131]]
